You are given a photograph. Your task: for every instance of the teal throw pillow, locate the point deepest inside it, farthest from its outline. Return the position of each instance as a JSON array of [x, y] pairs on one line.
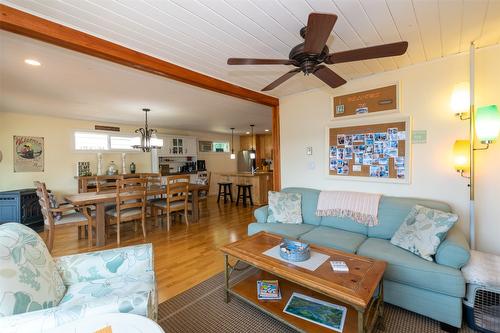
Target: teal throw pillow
[[285, 207], [423, 230]]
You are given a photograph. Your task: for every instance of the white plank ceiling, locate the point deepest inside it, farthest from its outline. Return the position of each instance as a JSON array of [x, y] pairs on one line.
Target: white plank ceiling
[[202, 34]]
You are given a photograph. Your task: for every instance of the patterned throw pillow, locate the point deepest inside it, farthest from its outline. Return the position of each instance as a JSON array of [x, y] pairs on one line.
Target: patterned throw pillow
[[29, 279], [423, 230], [285, 207]]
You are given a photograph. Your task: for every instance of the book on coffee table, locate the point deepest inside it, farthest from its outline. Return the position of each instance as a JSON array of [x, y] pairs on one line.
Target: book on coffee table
[[268, 290]]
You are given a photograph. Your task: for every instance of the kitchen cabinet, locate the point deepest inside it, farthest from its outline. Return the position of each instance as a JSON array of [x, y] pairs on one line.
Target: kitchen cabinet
[[262, 143], [175, 145], [247, 142]]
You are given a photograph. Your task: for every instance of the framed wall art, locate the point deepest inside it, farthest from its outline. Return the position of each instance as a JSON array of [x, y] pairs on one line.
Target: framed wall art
[[368, 102], [29, 154], [370, 151]]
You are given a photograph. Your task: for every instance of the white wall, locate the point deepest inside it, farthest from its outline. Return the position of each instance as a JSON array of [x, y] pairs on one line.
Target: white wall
[[61, 159], [425, 94]]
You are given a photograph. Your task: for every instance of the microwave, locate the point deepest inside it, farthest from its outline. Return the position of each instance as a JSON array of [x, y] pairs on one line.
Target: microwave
[[205, 146]]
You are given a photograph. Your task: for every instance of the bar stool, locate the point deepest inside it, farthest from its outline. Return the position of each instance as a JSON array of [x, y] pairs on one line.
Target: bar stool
[[225, 190], [246, 193]]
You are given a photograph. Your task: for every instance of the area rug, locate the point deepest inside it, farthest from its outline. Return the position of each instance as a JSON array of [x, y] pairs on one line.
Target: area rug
[[203, 309]]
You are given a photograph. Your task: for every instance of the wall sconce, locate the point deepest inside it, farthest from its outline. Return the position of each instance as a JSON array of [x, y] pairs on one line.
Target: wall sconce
[[460, 100], [461, 156], [487, 124]]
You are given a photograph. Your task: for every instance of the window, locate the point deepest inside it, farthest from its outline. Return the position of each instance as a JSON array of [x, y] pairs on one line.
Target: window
[[108, 141], [220, 147], [123, 142], [91, 141]]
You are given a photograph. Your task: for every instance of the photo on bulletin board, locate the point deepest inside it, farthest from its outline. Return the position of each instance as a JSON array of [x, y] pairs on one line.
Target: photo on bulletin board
[[377, 150], [377, 101]]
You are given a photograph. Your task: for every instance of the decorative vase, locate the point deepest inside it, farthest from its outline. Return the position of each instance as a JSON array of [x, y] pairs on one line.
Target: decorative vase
[[132, 167], [112, 169]]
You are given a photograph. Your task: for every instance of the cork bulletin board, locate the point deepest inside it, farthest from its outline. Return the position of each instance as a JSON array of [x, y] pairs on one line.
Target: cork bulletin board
[[377, 151], [373, 101]]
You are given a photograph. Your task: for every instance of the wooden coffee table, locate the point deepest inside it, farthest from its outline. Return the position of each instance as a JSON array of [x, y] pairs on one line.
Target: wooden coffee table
[[355, 290]]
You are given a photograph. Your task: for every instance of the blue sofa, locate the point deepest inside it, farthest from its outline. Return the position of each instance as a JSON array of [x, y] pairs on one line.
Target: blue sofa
[[433, 289]]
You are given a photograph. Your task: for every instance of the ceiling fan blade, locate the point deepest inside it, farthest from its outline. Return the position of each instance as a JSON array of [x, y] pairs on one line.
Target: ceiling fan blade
[[372, 52], [319, 27], [281, 79], [250, 61], [328, 76]]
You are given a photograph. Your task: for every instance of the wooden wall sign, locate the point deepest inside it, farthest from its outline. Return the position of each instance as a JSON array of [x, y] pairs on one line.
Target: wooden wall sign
[[372, 101], [371, 151], [107, 128]]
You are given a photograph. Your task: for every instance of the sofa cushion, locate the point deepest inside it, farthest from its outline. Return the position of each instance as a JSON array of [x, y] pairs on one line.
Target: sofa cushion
[[423, 230], [286, 230], [309, 203], [393, 210], [406, 268], [29, 279], [335, 238], [344, 223], [284, 207], [122, 293]]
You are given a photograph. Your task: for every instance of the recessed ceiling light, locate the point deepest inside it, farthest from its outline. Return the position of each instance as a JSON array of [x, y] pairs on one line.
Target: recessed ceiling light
[[32, 62], [247, 132], [266, 130]]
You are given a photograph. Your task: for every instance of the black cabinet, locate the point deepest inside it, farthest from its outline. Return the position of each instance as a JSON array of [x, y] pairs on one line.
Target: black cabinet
[[21, 206]]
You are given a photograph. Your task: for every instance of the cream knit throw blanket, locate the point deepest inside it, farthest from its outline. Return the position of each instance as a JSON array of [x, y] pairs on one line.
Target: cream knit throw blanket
[[361, 207]]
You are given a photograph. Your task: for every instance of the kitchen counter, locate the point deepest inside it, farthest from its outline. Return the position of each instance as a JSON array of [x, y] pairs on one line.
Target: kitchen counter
[[248, 174], [261, 182]]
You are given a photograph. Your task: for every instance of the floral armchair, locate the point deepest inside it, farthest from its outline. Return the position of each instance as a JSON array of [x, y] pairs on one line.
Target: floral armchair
[[38, 292]]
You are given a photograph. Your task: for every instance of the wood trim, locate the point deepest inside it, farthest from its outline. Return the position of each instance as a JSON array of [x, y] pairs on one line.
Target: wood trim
[[22, 23], [276, 149]]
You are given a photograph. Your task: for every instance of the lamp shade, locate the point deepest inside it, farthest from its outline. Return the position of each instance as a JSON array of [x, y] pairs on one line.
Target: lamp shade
[[487, 123], [460, 98], [461, 155]]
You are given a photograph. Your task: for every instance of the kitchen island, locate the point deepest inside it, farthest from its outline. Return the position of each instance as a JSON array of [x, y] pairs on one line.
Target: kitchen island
[[261, 182]]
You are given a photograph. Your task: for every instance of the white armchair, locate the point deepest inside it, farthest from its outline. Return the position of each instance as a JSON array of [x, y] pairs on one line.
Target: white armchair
[[117, 280]]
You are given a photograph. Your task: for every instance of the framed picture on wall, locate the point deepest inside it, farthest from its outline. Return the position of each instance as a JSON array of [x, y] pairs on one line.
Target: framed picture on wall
[[377, 150], [29, 154], [377, 101]]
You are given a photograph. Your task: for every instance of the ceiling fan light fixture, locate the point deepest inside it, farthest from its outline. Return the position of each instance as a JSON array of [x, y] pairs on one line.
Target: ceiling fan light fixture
[[310, 56]]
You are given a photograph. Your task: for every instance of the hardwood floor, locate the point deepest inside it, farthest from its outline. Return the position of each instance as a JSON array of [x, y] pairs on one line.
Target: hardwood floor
[[183, 257]]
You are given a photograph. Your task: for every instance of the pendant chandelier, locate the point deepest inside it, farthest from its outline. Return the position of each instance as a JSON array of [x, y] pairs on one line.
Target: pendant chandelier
[[148, 138], [233, 155]]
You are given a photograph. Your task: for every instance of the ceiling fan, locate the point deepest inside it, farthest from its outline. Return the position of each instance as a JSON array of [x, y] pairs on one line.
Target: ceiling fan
[[309, 56]]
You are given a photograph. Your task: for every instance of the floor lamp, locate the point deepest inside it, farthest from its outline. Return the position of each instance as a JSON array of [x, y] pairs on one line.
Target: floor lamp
[[484, 125]]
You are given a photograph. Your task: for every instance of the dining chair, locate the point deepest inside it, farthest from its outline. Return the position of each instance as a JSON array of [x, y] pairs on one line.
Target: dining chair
[[203, 194], [176, 200], [56, 216], [130, 204], [154, 181], [107, 183]]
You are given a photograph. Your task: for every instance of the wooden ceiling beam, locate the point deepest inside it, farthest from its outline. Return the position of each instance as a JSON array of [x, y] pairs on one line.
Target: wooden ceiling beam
[[22, 23]]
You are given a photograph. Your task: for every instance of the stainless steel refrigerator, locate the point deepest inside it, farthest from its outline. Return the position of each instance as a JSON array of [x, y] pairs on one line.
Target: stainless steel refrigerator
[[245, 163]]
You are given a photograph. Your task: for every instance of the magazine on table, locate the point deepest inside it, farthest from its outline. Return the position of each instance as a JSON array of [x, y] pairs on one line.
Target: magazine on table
[[325, 314]]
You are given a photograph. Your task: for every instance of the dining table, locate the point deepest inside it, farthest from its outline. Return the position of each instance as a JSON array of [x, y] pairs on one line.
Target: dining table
[[100, 199]]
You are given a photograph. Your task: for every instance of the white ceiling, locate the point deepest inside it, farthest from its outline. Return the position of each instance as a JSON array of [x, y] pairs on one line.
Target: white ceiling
[[73, 85], [202, 34]]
